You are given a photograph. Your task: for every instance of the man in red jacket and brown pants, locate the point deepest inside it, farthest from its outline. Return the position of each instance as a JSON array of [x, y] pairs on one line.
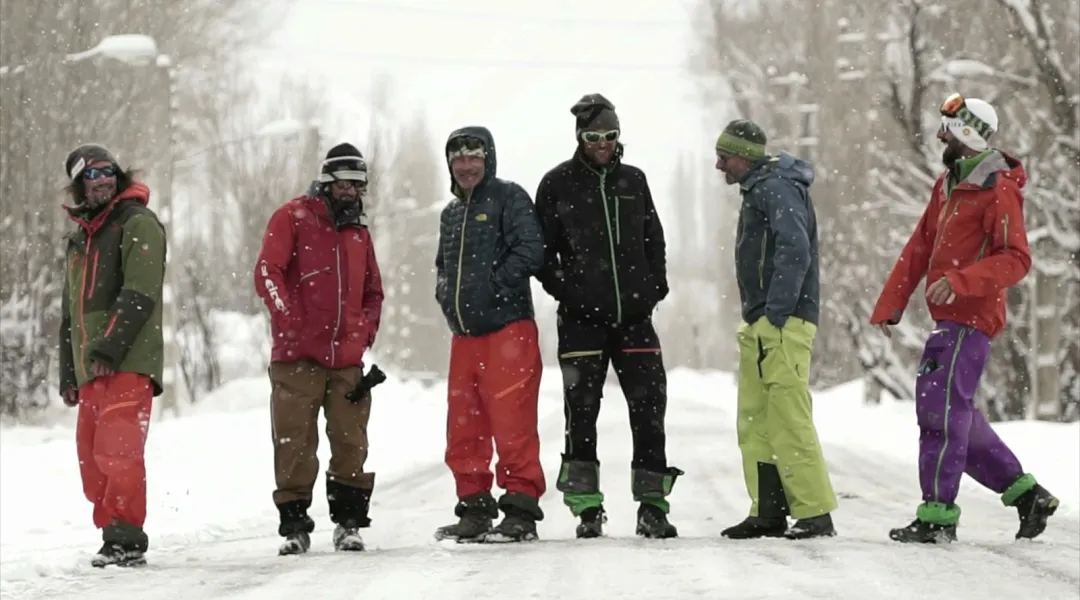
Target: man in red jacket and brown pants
[[319, 278], [972, 246]]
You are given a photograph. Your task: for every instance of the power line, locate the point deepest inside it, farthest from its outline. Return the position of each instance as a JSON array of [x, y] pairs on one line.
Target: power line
[[524, 19], [477, 62]]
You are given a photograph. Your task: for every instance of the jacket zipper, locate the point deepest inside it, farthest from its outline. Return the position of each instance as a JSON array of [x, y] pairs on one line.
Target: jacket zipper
[[611, 244], [460, 259], [761, 260], [337, 323], [93, 274], [82, 310], [1005, 230]]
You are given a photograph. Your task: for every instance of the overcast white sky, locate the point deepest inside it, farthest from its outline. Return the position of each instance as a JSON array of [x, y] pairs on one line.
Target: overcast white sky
[[516, 67]]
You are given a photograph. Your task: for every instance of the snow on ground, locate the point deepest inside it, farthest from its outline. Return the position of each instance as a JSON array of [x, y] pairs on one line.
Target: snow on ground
[[213, 525]]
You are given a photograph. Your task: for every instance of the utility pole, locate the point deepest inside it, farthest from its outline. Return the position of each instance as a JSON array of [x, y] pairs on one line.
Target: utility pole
[[169, 399]]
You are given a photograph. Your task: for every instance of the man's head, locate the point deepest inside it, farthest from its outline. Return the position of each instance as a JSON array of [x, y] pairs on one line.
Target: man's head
[[597, 127], [966, 127], [96, 177], [740, 145], [343, 175], [466, 155]]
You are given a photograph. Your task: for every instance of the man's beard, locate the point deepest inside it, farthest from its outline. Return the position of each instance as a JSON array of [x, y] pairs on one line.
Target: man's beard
[[950, 155]]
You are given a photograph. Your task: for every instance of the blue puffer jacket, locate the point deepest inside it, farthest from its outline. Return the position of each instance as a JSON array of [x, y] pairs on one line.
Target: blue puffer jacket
[[490, 245], [776, 248]]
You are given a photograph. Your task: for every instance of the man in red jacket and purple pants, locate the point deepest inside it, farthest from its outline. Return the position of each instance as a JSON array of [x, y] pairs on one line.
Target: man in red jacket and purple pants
[[972, 246], [319, 278]]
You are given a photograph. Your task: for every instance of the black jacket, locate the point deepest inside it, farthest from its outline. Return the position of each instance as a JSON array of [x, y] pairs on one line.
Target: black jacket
[[604, 251], [489, 247], [776, 248]]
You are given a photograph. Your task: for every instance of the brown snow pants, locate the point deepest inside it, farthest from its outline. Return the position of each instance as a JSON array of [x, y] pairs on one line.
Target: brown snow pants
[[300, 389]]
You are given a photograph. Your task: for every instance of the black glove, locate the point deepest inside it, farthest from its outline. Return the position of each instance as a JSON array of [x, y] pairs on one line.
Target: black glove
[[374, 377]]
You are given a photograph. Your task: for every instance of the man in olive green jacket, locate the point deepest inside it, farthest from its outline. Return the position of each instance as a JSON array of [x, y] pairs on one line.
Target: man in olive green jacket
[[111, 343]]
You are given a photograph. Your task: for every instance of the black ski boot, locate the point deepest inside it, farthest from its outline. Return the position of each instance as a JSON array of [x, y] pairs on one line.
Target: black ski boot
[[651, 489], [652, 523], [592, 523], [757, 527], [347, 538], [519, 523], [475, 514], [296, 527], [349, 511], [579, 481], [921, 532], [1035, 507], [125, 546], [814, 527], [771, 521]]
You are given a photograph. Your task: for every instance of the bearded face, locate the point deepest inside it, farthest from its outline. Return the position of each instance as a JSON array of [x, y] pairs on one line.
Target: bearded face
[[99, 181]]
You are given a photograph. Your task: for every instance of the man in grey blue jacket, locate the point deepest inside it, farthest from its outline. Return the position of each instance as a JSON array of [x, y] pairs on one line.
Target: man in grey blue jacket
[[490, 246], [776, 264]]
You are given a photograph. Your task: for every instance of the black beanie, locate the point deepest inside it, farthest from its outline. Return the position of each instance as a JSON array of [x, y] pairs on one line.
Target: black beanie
[[80, 157], [594, 112], [343, 161]]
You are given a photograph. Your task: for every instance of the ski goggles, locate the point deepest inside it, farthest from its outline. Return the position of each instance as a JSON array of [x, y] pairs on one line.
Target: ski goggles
[[595, 137], [344, 168], [97, 173], [955, 107], [465, 146]]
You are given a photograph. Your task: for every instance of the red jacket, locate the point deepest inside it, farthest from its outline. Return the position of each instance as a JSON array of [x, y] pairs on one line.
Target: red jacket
[[321, 284], [975, 238]]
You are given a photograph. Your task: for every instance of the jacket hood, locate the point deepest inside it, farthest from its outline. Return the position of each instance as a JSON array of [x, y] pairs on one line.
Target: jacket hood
[[783, 165], [997, 163], [491, 162]]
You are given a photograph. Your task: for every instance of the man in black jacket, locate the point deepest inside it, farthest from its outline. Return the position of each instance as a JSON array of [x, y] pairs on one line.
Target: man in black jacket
[[490, 246], [604, 262]]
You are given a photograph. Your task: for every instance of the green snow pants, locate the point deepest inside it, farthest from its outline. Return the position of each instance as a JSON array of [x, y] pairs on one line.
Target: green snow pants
[[783, 464]]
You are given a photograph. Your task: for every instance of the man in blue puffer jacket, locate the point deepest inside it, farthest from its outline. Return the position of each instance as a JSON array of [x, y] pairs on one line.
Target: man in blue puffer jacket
[[490, 246]]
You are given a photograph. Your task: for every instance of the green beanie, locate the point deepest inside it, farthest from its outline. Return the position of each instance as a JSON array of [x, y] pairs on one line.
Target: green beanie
[[742, 138]]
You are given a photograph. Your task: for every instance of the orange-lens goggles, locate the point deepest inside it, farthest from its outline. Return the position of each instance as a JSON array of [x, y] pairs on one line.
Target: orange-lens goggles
[[952, 105]]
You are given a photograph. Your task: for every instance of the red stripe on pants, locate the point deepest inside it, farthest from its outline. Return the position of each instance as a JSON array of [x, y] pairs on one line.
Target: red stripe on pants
[[114, 418], [493, 390]]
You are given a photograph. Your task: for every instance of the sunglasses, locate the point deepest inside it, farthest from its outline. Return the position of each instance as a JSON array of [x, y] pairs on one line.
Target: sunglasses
[[595, 137], [466, 146], [96, 173]]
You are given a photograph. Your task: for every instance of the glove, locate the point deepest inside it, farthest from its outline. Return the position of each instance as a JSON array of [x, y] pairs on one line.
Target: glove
[[374, 377], [70, 397]]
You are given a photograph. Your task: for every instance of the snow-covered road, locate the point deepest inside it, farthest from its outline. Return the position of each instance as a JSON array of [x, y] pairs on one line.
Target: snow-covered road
[[237, 560]]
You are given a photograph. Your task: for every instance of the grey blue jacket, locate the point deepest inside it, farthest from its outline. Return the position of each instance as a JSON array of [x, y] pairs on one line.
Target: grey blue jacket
[[776, 248], [490, 245]]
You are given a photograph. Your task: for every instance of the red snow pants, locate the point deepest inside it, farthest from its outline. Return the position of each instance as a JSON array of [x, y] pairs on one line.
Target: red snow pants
[[494, 387], [110, 436]]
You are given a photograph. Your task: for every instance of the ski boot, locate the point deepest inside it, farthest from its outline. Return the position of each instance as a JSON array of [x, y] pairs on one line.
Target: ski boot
[[921, 532], [757, 527], [652, 523], [592, 523], [521, 513], [124, 545], [475, 515], [650, 489], [296, 527], [814, 527], [347, 538], [1034, 507]]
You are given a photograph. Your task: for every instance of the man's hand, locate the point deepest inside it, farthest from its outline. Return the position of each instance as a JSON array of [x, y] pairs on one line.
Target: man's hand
[[940, 292], [100, 369], [70, 397], [884, 327]]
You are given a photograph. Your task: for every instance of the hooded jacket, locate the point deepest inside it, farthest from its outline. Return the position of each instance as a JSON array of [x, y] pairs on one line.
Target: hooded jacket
[[972, 234], [776, 247], [605, 254], [111, 302], [489, 247]]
